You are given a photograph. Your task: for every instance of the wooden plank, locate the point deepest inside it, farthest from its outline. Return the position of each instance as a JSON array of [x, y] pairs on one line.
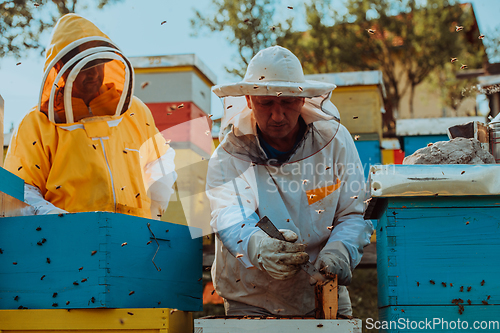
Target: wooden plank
[[326, 297], [277, 325], [95, 320], [443, 202]]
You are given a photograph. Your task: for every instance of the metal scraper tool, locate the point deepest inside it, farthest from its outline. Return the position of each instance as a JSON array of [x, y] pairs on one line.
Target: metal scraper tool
[[270, 229]]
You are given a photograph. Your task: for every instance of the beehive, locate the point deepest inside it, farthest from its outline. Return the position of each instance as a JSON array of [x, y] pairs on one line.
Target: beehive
[[437, 254], [98, 260]]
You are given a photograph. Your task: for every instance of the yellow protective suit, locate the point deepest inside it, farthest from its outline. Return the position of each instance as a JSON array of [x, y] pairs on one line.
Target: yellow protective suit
[[110, 157]]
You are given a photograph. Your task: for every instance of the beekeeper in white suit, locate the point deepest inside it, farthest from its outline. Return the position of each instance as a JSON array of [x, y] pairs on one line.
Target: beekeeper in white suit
[[284, 155]]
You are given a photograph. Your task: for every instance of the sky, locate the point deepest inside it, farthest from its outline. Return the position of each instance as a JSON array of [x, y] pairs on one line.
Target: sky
[[135, 26]]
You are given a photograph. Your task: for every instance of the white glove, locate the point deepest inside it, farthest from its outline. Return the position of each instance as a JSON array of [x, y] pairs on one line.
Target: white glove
[[334, 259], [280, 259]]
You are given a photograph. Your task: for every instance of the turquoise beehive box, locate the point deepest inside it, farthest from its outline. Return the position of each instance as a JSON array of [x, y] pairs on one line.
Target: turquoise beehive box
[[438, 239], [98, 260]]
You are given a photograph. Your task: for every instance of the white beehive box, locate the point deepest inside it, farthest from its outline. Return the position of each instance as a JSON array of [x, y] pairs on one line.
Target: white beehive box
[[239, 325]]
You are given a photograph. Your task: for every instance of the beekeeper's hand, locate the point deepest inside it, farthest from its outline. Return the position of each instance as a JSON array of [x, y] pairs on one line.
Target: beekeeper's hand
[[334, 259], [280, 259]]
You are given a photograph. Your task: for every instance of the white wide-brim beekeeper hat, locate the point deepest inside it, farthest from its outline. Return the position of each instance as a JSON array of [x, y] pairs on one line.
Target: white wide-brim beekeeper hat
[[274, 71]]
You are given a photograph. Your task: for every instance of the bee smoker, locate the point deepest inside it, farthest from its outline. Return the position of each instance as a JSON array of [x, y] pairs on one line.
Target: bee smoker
[[494, 132]]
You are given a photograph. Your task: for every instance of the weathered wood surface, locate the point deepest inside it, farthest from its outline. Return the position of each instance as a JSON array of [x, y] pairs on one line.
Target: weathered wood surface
[[327, 299]]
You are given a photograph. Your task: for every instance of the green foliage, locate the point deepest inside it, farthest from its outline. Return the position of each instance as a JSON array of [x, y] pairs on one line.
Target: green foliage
[[23, 21], [405, 39], [249, 24]]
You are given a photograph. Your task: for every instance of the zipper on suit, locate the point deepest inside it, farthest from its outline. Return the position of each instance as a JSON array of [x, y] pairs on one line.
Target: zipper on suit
[[109, 169]]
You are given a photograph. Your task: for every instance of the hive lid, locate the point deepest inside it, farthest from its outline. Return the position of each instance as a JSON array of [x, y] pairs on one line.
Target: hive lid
[[434, 180]]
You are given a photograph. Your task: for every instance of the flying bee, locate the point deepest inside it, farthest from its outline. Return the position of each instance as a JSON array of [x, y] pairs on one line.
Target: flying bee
[[463, 66], [371, 31], [279, 93], [453, 60], [481, 36], [459, 28]]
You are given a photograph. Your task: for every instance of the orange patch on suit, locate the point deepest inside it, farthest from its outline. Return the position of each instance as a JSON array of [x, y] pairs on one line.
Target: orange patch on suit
[[317, 194]]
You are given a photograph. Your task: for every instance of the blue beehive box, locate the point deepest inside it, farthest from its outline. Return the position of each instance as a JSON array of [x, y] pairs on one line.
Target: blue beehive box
[[98, 260], [437, 255]]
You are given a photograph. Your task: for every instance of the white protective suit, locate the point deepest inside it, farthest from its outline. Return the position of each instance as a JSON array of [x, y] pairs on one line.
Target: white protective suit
[[320, 185]]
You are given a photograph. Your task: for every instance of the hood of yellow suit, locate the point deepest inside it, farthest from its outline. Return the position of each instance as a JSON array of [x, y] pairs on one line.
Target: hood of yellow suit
[[76, 45]]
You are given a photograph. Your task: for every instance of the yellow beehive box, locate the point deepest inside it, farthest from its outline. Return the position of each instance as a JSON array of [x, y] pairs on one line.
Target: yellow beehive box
[[96, 320], [359, 99]]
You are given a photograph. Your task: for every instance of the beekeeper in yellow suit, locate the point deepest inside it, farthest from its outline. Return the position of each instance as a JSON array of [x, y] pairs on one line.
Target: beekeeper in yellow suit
[[90, 145]]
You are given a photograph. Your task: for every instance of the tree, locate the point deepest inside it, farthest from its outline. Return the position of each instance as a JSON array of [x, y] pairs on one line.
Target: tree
[[405, 39], [23, 21], [249, 24]]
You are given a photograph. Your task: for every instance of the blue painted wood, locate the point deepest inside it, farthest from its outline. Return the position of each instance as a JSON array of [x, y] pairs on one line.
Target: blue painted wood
[[413, 143], [433, 255], [369, 153], [116, 276], [402, 319], [11, 184]]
